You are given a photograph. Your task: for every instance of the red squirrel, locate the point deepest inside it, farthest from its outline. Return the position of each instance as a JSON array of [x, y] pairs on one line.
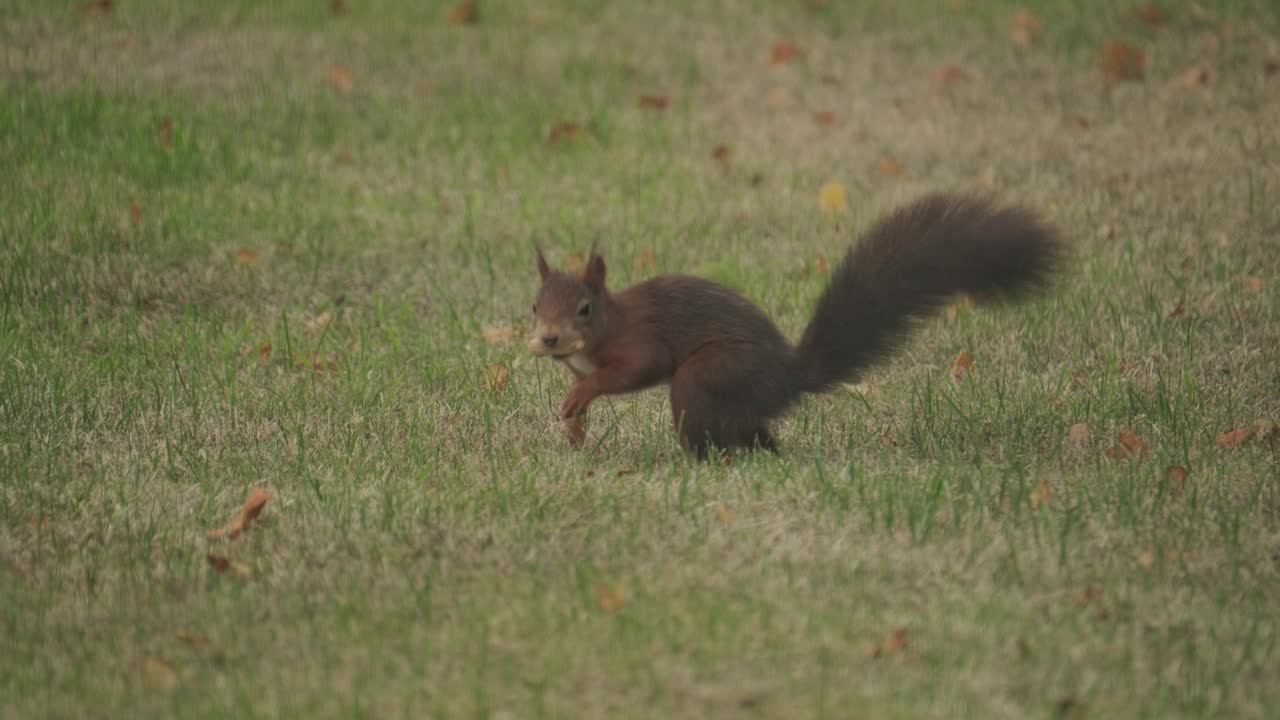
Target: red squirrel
[[730, 369]]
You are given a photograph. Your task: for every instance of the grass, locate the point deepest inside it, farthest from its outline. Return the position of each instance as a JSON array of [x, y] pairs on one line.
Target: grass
[[432, 548]]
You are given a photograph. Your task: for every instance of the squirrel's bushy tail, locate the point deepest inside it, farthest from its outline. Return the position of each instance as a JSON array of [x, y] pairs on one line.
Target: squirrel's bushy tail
[[907, 265]]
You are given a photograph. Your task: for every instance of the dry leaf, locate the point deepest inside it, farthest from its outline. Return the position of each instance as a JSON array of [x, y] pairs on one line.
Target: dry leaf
[[1253, 282], [94, 8], [345, 158], [1180, 310], [247, 257], [645, 262], [264, 353], [947, 75], [721, 153], [1122, 62], [1195, 78], [135, 213], [497, 335], [464, 13], [831, 197], [609, 596], [338, 7], [1079, 123], [1176, 476], [1025, 28], [495, 376], [1149, 13], [783, 52], [826, 118], [962, 364], [724, 514], [1078, 434], [653, 102], [1235, 438], [820, 265], [1090, 596], [164, 133], [340, 77], [253, 504], [889, 167], [1128, 445], [1041, 495], [159, 673], [563, 131], [894, 642], [321, 321], [1268, 432], [223, 564], [625, 470], [198, 642]]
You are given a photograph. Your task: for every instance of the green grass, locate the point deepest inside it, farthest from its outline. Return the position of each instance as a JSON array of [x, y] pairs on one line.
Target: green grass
[[433, 548]]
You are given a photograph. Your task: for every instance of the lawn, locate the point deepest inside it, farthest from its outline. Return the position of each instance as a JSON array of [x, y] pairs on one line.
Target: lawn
[[289, 246]]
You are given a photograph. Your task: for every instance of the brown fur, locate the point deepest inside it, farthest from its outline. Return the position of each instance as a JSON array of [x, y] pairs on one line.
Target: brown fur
[[731, 371]]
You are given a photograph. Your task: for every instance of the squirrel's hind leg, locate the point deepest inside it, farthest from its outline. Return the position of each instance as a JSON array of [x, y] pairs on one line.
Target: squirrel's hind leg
[[705, 418]]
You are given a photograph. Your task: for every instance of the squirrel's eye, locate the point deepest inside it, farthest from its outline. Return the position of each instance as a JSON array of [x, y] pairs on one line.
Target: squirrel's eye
[[585, 310]]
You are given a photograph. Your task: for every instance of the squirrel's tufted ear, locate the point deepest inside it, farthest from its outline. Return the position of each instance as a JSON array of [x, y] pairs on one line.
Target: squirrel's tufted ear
[[543, 268], [593, 274]]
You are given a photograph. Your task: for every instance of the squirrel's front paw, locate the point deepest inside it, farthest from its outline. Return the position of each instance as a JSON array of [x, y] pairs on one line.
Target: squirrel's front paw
[[576, 402], [573, 428]]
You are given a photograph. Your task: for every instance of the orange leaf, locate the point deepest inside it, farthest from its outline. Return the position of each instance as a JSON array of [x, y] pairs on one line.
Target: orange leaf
[[889, 167], [609, 596], [247, 256], [340, 77], [1090, 596], [1235, 438], [1041, 495], [820, 264], [495, 376], [783, 52], [724, 514], [338, 7], [135, 213], [1122, 62], [721, 153], [164, 133], [1128, 445], [947, 75], [159, 673], [563, 131], [264, 353], [1253, 282], [1195, 78], [962, 364], [497, 335], [199, 642], [826, 118], [645, 262], [653, 102], [1176, 476], [320, 321], [253, 504], [96, 8], [1025, 28], [464, 13], [893, 642], [1079, 123], [1149, 13]]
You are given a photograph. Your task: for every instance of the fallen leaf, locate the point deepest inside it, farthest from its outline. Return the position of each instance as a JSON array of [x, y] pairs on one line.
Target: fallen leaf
[[645, 262], [345, 158], [625, 470], [1252, 282], [831, 197], [1079, 123], [1235, 438], [264, 353], [1149, 13], [338, 7], [1106, 231], [893, 642], [159, 673], [820, 265], [1079, 433], [1041, 495], [1122, 62], [1128, 445], [653, 102], [95, 8], [247, 257], [223, 564], [609, 596], [947, 75], [1176, 476], [1195, 78], [253, 504], [724, 514], [464, 13], [1025, 28], [826, 118], [1180, 310], [340, 77], [135, 213], [889, 167], [783, 52], [198, 642], [497, 335], [563, 131], [1090, 596], [321, 321], [962, 364], [495, 376], [721, 153], [164, 133]]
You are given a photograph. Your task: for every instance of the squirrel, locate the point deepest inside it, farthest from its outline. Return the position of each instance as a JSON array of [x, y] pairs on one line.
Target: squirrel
[[730, 369]]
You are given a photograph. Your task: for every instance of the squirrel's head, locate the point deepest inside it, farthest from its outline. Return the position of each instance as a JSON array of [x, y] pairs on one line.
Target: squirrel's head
[[570, 308]]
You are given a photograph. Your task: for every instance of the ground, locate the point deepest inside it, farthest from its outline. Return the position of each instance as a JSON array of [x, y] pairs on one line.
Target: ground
[[282, 246]]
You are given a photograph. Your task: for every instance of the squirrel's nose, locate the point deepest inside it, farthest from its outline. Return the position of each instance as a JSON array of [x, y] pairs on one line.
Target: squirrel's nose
[[550, 340]]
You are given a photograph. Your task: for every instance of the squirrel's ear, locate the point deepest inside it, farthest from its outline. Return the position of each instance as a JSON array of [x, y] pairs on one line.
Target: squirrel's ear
[[543, 268], [593, 274]]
